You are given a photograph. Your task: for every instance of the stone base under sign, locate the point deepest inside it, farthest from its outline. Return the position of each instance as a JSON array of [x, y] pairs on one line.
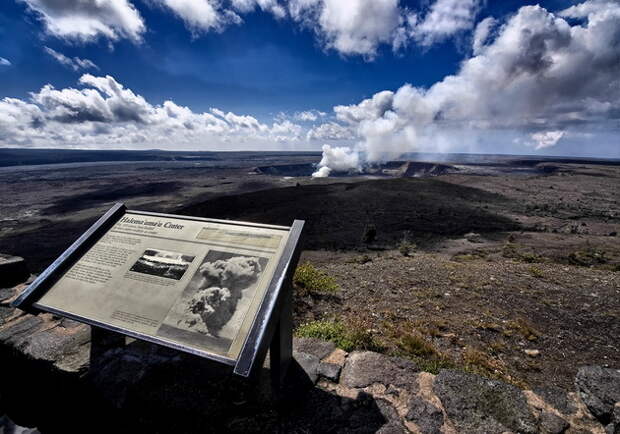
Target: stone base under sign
[[54, 381]]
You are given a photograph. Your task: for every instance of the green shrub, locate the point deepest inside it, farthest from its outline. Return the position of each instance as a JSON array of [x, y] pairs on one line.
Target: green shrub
[[348, 338], [587, 257], [312, 280], [415, 345], [536, 271], [406, 248]]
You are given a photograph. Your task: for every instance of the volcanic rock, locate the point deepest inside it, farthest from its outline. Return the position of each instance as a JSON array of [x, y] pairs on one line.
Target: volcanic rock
[[600, 390], [478, 405]]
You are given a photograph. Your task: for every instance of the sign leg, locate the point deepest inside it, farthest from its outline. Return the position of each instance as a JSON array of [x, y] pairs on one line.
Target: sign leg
[[281, 350]]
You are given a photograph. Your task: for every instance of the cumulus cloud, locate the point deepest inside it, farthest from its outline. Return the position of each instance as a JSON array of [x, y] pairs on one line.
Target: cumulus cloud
[[271, 6], [4, 62], [201, 15], [74, 63], [538, 72], [331, 131], [482, 34], [101, 111], [444, 19], [355, 27], [309, 115], [87, 20], [546, 139]]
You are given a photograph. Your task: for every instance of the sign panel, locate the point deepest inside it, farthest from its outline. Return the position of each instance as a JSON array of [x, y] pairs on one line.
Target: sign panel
[[215, 288]]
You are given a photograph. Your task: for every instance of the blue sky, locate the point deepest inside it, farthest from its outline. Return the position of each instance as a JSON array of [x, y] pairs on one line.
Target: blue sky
[[265, 62]]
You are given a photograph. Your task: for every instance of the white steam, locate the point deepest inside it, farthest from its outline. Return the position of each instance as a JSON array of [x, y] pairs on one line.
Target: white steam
[[339, 159], [537, 73]]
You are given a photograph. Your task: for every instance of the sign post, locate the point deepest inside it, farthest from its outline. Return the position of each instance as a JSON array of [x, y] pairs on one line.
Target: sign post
[[217, 289]]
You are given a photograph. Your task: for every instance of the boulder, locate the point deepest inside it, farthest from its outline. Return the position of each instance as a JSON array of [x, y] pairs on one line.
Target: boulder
[[599, 389], [425, 415], [330, 371], [557, 398], [364, 368], [316, 347], [476, 404], [551, 423], [309, 363]]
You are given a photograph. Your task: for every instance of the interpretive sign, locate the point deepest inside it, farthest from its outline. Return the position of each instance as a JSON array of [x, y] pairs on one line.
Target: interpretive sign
[[214, 288]]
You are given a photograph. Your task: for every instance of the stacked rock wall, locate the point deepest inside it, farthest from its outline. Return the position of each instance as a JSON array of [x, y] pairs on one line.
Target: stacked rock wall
[[56, 380]]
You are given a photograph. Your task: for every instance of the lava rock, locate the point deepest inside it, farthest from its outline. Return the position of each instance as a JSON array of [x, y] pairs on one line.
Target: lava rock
[[18, 331], [551, 423], [309, 363], [316, 347], [394, 424], [425, 415], [330, 371], [599, 389], [478, 405], [52, 344], [557, 398], [365, 368]]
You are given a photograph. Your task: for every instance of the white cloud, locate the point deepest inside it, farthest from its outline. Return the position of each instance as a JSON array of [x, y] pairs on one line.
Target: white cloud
[[87, 20], [546, 139], [271, 6], [309, 115], [201, 15], [482, 34], [331, 131], [74, 63], [444, 19], [102, 112], [538, 72], [4, 62], [353, 27]]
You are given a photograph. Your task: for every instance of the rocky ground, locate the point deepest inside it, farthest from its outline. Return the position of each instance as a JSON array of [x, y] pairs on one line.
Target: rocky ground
[[61, 382], [505, 277]]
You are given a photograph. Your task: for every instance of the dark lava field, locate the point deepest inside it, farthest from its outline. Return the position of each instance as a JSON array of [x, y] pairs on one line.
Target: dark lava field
[[513, 267]]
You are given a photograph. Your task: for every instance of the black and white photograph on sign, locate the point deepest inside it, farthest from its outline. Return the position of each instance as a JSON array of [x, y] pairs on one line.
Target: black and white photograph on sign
[[212, 307], [162, 263]]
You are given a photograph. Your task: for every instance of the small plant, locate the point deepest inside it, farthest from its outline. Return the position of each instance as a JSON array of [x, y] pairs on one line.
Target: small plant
[[587, 257], [471, 256], [406, 247], [523, 327], [415, 345], [434, 365], [536, 272], [312, 280], [530, 257], [511, 250], [609, 267], [363, 259], [497, 347], [480, 363], [348, 337]]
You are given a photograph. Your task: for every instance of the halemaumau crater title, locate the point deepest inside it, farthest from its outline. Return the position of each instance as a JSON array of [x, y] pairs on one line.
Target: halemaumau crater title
[[151, 223]]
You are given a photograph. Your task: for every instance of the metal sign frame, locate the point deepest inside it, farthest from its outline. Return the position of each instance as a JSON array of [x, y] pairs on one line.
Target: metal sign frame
[[272, 325]]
